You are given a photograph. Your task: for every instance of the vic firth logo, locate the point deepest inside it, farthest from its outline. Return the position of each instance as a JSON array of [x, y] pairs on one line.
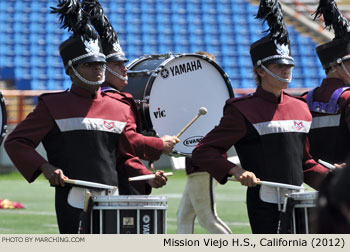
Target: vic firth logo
[[109, 125], [159, 113], [192, 141], [298, 125], [186, 67]]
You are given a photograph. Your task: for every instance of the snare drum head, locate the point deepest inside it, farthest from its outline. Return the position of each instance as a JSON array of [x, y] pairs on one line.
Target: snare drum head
[[186, 84]]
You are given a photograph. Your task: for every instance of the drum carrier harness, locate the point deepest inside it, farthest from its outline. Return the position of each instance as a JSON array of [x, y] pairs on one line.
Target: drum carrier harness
[[330, 107]]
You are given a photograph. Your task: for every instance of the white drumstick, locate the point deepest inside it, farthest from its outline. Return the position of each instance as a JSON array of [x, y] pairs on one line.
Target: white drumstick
[[272, 184], [150, 176], [202, 111], [89, 184], [326, 164]]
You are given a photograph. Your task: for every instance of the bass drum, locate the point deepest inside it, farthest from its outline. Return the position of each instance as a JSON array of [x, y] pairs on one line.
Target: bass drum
[[170, 89], [3, 119]]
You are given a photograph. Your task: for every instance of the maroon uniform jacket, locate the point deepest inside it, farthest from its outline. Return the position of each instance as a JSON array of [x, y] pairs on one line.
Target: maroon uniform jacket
[[269, 135], [82, 135], [125, 162], [330, 132]]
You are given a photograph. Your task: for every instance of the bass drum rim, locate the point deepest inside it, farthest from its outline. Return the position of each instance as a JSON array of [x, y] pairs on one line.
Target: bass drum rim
[[3, 118], [148, 129], [169, 58]]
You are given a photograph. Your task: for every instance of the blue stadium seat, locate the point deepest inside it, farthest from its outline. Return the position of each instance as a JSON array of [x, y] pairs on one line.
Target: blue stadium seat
[[297, 82], [31, 35]]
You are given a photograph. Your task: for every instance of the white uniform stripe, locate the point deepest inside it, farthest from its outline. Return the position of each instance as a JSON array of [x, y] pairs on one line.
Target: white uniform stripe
[[325, 121], [81, 123], [284, 126]]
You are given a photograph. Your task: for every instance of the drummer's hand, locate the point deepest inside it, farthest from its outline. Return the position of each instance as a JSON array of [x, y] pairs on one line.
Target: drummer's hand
[[169, 143], [159, 181], [53, 174], [342, 165], [246, 178]]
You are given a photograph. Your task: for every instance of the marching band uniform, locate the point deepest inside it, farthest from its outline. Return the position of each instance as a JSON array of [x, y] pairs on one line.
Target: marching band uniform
[[269, 132], [85, 150], [329, 103], [270, 139], [83, 132], [130, 165], [125, 162], [334, 124]]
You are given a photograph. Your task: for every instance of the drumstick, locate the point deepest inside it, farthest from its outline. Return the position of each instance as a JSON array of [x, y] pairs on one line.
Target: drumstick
[[273, 184], [326, 164], [150, 176], [89, 184], [202, 111]]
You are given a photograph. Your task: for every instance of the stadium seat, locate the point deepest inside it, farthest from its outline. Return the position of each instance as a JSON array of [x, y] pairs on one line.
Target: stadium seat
[[225, 27]]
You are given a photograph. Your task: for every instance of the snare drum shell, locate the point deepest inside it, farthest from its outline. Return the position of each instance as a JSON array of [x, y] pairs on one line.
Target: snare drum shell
[[303, 212], [127, 222], [135, 214]]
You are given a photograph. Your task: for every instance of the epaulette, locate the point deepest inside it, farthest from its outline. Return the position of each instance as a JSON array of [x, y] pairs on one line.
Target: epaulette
[[113, 94], [108, 89], [241, 98], [54, 93]]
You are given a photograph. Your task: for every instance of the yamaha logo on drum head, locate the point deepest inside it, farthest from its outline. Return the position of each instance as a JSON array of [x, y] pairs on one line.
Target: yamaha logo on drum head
[[192, 141], [164, 73]]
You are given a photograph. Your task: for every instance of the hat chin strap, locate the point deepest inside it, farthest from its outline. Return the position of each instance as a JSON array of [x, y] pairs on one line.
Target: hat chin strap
[[275, 75], [87, 81], [116, 74], [340, 61]]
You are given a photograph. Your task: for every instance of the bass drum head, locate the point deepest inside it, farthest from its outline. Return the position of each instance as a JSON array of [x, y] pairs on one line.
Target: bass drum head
[[3, 124], [184, 85]]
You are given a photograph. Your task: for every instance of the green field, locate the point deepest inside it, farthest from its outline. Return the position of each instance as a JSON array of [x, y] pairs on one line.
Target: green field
[[39, 215]]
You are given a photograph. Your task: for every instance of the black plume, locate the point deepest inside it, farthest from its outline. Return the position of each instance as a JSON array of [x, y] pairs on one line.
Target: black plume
[[73, 18], [100, 21], [333, 18], [271, 11]]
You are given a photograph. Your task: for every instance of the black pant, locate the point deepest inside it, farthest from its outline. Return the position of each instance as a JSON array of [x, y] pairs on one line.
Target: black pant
[[67, 216], [263, 217]]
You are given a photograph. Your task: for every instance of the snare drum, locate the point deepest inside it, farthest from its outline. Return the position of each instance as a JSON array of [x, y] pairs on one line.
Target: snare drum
[[170, 89], [3, 120], [134, 214], [303, 211]]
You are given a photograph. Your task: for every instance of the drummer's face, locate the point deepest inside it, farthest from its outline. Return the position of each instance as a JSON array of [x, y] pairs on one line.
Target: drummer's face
[[271, 83], [121, 69]]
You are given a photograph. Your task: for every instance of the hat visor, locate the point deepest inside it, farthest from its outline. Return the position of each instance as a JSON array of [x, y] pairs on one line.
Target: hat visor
[[117, 59], [94, 58], [282, 61]]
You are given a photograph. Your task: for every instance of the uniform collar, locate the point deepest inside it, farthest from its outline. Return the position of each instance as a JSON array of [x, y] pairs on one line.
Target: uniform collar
[[268, 96], [333, 83], [85, 93], [107, 87]]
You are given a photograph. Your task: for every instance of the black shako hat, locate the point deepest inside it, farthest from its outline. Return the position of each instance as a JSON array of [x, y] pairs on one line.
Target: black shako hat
[[275, 47], [337, 50], [84, 45], [110, 42]]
